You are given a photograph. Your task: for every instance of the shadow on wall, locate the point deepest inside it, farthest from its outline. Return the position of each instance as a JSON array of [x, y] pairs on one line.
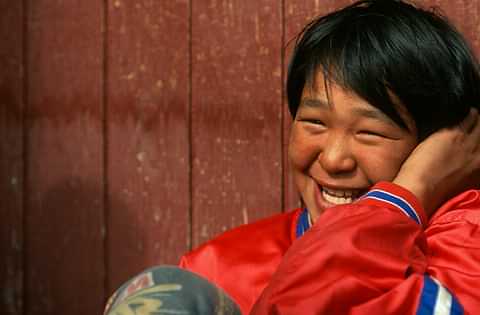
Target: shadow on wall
[[66, 252]]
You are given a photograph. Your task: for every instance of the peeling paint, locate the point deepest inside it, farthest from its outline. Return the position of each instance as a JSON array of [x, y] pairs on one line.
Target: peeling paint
[[257, 29], [201, 56], [173, 82], [141, 156], [204, 231], [130, 76], [263, 51], [245, 215]]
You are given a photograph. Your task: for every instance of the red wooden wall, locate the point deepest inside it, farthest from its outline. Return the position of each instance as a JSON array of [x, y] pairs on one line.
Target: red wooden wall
[[134, 130]]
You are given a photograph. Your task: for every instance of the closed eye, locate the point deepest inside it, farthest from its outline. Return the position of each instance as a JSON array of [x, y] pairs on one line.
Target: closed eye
[[313, 121], [371, 133]]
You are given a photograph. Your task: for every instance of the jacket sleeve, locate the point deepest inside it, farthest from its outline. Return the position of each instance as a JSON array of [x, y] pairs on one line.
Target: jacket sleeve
[[365, 258], [183, 262]]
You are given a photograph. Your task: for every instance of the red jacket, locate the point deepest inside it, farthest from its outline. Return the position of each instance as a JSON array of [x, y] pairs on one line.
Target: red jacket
[[378, 255], [242, 260]]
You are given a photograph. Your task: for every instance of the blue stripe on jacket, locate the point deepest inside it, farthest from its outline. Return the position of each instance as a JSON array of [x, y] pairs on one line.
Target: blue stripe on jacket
[[437, 300]]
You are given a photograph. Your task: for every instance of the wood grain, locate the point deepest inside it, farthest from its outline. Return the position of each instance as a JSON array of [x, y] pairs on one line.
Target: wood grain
[[64, 210], [11, 157], [148, 135], [236, 113]]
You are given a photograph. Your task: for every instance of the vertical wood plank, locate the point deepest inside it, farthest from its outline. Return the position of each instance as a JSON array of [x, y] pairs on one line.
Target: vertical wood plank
[[148, 135], [11, 157], [64, 214], [236, 113]]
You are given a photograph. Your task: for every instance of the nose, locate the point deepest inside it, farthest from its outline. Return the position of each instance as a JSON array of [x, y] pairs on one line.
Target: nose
[[336, 156]]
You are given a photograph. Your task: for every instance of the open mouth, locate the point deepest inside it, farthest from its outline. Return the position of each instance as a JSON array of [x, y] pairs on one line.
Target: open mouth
[[341, 196]]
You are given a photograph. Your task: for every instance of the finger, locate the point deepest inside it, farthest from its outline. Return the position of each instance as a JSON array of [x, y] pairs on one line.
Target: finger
[[475, 128], [470, 122]]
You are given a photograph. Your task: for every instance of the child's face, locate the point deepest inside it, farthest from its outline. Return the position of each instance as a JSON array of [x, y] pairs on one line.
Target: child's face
[[341, 146]]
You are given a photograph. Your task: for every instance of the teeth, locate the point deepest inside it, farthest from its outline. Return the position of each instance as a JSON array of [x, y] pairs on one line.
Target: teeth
[[339, 197], [341, 193], [336, 200]]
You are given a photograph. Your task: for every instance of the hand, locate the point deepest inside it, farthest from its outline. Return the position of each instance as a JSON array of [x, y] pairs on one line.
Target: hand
[[444, 164]]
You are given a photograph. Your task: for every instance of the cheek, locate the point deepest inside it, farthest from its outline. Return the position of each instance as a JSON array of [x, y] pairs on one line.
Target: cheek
[[301, 150], [383, 164]]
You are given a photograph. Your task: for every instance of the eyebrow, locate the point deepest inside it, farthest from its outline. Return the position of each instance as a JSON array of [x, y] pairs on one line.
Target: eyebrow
[[315, 103], [361, 111], [373, 114]]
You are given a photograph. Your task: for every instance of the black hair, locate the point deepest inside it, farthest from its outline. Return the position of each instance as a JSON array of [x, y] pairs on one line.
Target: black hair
[[378, 47]]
